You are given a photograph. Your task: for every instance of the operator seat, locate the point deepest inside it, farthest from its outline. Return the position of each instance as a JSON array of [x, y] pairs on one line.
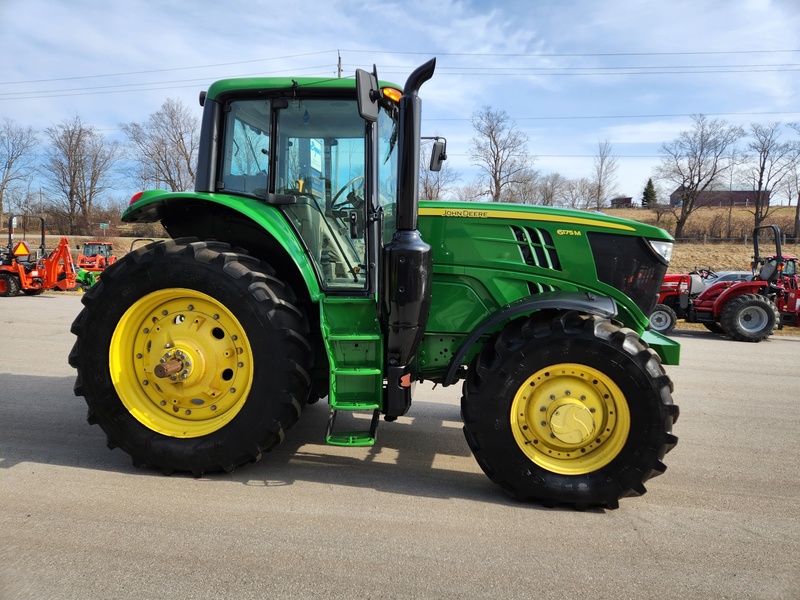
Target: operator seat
[[767, 271], [696, 284]]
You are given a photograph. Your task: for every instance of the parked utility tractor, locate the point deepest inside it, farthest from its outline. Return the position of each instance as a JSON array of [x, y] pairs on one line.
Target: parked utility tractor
[[678, 291], [96, 256], [22, 271], [303, 266], [92, 261], [85, 279], [743, 310]]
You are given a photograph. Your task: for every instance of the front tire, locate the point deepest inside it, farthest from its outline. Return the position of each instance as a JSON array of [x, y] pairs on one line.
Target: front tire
[[569, 409], [663, 319], [232, 330], [749, 318]]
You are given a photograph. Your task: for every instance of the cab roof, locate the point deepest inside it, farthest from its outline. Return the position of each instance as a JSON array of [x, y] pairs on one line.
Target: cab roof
[[285, 84]]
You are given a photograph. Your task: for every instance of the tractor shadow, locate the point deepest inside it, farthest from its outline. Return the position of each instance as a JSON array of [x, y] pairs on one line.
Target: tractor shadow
[[422, 454]]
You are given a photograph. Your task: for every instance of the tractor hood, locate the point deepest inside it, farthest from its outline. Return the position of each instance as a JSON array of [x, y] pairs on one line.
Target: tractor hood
[[520, 251]]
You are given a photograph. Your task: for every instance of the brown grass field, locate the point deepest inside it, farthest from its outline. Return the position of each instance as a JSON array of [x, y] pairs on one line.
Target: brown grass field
[[716, 223]]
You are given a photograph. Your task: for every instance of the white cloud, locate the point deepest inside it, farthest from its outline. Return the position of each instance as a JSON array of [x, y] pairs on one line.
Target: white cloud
[[496, 54]]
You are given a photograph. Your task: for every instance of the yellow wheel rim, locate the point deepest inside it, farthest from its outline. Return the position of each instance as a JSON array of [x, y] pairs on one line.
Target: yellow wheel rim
[[570, 419], [181, 363]]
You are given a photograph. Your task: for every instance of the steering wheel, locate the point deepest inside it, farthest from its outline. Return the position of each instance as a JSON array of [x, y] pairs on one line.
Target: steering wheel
[[352, 198]]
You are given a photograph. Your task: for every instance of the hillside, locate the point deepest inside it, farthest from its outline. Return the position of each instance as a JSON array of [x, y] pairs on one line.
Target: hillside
[[711, 223], [719, 257]]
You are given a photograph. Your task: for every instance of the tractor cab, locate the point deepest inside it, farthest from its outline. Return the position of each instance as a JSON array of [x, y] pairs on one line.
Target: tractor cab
[[786, 268], [98, 249], [314, 168]]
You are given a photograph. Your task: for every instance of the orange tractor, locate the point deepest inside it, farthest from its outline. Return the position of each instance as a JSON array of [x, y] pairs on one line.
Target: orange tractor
[[22, 271], [96, 256]]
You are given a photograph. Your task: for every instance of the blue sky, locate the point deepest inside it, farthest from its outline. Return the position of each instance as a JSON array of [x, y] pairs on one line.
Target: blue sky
[[570, 73]]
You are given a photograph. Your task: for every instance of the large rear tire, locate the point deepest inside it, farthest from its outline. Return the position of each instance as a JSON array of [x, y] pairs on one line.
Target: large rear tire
[[571, 409], [9, 285], [192, 357], [749, 318]]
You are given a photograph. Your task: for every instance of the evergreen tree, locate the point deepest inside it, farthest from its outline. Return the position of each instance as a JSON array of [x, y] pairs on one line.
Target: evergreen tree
[[649, 199]]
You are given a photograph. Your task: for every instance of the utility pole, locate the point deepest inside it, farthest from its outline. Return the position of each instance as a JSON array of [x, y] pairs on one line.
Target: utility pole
[[340, 63]]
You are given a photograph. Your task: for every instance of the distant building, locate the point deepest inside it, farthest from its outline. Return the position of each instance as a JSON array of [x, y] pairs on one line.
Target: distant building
[[622, 202], [719, 198]]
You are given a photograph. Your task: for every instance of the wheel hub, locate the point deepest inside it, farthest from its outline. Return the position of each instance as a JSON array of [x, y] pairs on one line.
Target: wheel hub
[[189, 366], [753, 319], [571, 422], [659, 320], [570, 418]]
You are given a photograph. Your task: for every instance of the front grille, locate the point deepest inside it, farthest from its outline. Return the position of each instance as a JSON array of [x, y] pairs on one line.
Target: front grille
[[537, 247], [630, 265]]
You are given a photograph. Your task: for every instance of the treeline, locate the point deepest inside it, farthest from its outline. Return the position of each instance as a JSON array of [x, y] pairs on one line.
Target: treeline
[[72, 173]]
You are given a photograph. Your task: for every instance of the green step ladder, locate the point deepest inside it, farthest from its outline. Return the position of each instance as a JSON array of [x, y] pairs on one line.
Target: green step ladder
[[354, 343]]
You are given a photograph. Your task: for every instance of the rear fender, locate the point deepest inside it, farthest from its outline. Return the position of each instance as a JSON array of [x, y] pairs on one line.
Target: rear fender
[[171, 208], [737, 289]]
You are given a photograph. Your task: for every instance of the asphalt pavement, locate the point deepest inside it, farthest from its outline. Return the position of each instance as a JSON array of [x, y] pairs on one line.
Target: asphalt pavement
[[412, 517]]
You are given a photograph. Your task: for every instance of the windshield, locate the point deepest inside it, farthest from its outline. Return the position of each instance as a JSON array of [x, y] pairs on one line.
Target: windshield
[[93, 249]]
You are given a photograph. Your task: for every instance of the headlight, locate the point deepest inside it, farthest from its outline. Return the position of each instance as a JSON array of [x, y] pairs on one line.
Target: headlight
[[662, 249]]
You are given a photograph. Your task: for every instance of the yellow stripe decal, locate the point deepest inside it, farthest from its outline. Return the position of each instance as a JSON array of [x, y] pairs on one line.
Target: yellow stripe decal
[[523, 216]]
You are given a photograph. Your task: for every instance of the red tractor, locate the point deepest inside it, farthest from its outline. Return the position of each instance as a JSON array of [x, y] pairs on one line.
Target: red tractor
[[675, 297], [743, 310], [787, 299], [21, 271]]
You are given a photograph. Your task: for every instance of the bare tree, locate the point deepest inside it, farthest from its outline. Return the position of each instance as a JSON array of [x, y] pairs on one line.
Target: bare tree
[[17, 155], [793, 193], [696, 160], [165, 147], [577, 193], [78, 166], [793, 184], [500, 151], [552, 189], [604, 175], [525, 188], [433, 185], [469, 192], [770, 162]]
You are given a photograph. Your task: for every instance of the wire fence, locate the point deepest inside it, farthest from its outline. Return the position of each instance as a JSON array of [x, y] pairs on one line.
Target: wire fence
[[746, 240]]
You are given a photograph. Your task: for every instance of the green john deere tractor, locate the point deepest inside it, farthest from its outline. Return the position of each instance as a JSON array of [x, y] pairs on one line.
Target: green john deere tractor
[[303, 266]]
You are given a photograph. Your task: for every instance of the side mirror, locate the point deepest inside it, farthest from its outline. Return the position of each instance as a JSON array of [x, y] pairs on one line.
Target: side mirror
[[367, 93], [438, 155]]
